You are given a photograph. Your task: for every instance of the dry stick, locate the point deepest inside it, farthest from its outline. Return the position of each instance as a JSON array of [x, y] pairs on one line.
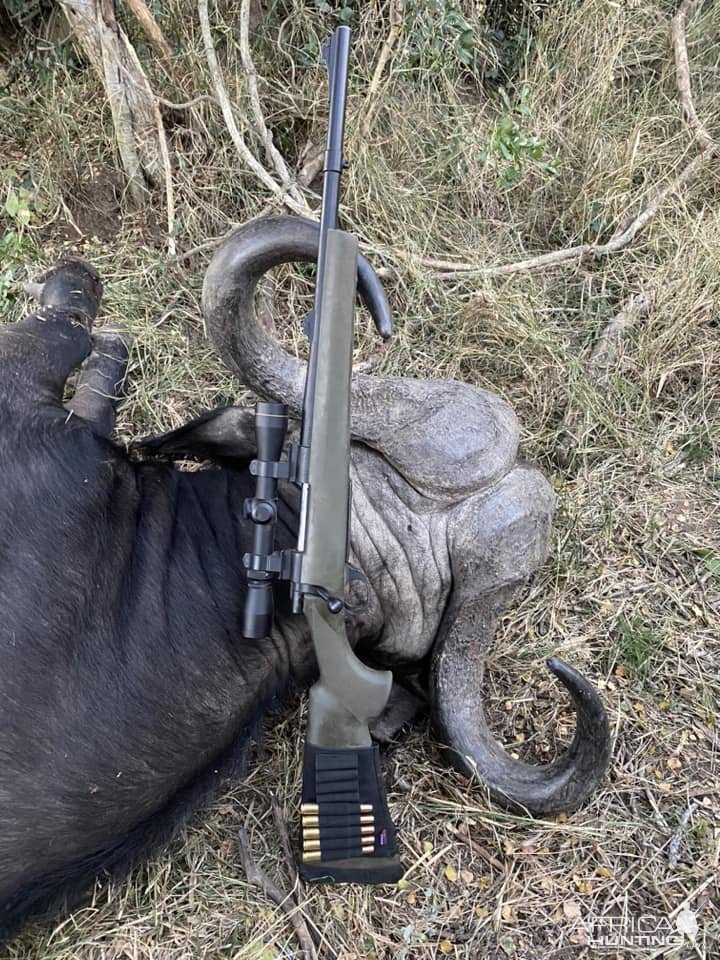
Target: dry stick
[[188, 104], [396, 21], [582, 250], [597, 367], [682, 71], [163, 144], [710, 148], [271, 152], [607, 345], [150, 25], [245, 153], [207, 244], [282, 830], [282, 900], [576, 253], [169, 192], [676, 839]]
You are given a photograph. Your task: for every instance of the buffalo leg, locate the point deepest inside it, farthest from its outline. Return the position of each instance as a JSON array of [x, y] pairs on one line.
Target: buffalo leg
[[101, 380], [38, 353]]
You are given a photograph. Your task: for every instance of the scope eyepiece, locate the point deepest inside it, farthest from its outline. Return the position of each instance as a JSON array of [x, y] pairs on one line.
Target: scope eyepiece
[[259, 609]]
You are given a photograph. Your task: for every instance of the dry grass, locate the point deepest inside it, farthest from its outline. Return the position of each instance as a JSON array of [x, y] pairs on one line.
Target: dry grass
[[631, 592]]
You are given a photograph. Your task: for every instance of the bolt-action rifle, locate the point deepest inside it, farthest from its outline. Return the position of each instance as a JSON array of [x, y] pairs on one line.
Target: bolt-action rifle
[[347, 834]]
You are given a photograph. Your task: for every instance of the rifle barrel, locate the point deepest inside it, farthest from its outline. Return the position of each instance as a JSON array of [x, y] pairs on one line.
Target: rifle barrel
[[337, 56]]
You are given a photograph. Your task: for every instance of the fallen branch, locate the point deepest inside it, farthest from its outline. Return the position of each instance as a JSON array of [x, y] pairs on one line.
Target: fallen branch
[[150, 25], [169, 192], [604, 353], [282, 832], [188, 104], [682, 72], [581, 251], [629, 228], [284, 901], [131, 99], [271, 152], [396, 21], [246, 155], [602, 358]]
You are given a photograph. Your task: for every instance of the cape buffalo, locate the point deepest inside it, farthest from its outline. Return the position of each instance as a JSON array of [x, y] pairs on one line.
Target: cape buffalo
[[126, 687]]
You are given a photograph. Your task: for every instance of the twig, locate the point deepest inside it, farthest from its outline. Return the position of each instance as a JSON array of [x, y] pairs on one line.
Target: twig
[[282, 830], [396, 21], [169, 192], [478, 848], [628, 228], [583, 250], [188, 104], [150, 25], [242, 148], [282, 900], [206, 245], [677, 837], [602, 356], [271, 152], [605, 351], [682, 71]]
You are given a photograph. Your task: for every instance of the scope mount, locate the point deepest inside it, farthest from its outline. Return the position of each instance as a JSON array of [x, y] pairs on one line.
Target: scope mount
[[265, 566]]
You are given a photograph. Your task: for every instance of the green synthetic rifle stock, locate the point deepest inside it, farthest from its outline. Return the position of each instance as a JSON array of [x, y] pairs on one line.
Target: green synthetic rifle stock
[[347, 834]]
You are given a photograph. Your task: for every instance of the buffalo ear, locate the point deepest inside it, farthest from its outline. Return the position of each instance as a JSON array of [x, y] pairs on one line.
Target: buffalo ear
[[226, 435]]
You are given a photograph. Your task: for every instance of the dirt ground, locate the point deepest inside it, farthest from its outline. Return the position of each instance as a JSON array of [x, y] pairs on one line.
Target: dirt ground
[[483, 147]]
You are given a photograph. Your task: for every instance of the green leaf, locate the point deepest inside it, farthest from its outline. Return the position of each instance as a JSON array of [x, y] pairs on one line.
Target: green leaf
[[12, 204], [713, 565]]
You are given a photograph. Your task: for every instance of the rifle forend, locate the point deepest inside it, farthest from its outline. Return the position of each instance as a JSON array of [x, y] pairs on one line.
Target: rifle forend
[[341, 769]]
